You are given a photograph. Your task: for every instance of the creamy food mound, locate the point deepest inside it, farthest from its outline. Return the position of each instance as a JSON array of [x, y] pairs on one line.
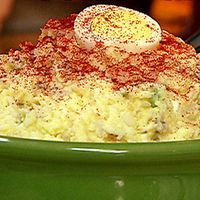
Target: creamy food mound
[[59, 90]]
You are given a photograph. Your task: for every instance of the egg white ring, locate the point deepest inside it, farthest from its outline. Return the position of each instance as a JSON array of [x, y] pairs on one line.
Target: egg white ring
[[87, 39]]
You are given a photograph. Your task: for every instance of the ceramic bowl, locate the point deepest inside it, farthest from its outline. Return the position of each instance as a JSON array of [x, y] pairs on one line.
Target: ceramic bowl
[[46, 170]]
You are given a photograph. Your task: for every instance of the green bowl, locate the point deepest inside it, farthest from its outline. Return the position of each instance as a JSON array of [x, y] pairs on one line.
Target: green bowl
[[45, 170]]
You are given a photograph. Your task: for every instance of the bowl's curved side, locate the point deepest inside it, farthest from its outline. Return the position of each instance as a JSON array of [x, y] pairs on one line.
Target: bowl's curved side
[[126, 153], [37, 170]]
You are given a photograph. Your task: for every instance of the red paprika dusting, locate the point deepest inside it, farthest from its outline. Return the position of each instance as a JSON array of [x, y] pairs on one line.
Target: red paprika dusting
[[59, 24], [2, 73], [27, 46], [62, 56]]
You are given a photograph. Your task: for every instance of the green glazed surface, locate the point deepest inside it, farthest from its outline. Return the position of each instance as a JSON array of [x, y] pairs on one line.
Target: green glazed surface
[[44, 170]]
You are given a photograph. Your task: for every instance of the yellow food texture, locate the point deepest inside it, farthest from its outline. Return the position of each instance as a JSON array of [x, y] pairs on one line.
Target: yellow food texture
[[122, 24], [90, 111]]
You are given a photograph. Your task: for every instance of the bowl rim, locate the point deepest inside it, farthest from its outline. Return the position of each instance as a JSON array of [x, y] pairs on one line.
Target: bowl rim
[[105, 153]]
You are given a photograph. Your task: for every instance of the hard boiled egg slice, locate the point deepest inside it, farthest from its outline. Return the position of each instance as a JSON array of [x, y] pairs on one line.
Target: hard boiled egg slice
[[121, 27]]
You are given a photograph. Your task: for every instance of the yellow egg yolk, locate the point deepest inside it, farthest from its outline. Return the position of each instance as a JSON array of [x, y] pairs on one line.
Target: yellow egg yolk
[[122, 24]]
